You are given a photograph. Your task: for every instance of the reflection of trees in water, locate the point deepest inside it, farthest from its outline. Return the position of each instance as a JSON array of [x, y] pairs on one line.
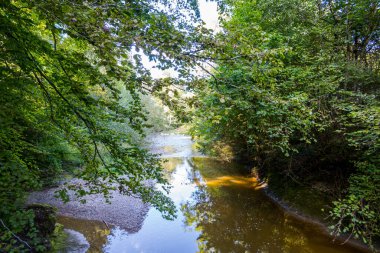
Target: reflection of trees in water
[[96, 232], [169, 165], [233, 219]]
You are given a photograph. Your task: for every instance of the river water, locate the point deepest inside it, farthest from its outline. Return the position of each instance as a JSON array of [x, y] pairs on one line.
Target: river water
[[220, 209]]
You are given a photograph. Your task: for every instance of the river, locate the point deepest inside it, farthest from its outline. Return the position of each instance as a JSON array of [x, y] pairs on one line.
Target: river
[[220, 209]]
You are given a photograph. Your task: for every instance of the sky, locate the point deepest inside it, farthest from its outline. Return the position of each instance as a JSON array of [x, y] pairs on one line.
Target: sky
[[209, 15]]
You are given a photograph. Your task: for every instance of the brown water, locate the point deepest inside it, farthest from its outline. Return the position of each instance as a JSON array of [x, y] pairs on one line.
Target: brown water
[[221, 209]]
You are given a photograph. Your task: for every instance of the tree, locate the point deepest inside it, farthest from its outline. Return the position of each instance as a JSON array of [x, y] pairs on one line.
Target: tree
[[61, 62], [295, 89]]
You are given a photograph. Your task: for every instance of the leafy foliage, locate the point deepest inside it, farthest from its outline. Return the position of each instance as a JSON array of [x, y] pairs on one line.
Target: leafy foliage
[[294, 87], [61, 66]]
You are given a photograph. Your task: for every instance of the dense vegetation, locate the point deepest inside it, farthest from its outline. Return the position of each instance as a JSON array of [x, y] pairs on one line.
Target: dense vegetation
[[71, 100], [294, 88]]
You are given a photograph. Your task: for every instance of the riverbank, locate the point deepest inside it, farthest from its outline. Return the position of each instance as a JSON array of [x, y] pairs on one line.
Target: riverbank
[[96, 208], [220, 206], [313, 223]]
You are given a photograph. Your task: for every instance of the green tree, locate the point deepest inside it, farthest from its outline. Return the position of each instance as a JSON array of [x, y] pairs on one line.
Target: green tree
[[295, 88], [61, 63]]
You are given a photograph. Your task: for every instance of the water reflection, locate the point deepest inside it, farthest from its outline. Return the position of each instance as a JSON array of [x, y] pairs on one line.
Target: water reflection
[[158, 234], [96, 232], [221, 210], [231, 217]]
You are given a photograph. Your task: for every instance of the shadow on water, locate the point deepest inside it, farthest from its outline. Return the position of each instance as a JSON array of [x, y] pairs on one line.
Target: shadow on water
[[233, 217], [220, 210]]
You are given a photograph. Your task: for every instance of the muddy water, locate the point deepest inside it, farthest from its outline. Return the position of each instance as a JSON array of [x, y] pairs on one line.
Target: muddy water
[[220, 209]]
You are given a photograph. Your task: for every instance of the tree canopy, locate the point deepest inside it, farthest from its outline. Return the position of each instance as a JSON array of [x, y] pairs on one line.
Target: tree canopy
[[294, 87], [64, 67]]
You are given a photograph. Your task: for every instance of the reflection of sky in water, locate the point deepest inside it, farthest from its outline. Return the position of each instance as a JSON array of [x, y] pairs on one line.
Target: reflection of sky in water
[[158, 234], [220, 209], [170, 145]]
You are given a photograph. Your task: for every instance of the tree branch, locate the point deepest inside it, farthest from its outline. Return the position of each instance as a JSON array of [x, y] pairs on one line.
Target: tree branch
[[15, 236]]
